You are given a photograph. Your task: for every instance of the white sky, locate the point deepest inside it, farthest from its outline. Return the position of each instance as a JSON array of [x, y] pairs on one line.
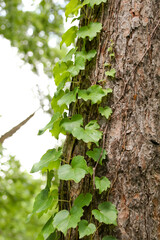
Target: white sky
[[17, 102]]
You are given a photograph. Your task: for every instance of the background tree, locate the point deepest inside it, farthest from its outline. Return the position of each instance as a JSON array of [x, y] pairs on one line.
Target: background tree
[[17, 193]]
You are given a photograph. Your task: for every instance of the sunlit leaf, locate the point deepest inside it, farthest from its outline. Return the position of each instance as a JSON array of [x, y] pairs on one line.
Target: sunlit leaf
[[76, 171], [107, 213], [69, 36], [102, 184], [93, 2], [54, 103], [70, 96], [50, 156], [106, 111], [50, 124], [86, 229], [89, 31], [48, 228]]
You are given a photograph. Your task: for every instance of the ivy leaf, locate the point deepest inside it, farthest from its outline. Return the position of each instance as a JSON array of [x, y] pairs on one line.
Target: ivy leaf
[[75, 122], [83, 200], [95, 154], [72, 7], [89, 31], [56, 129], [60, 72], [87, 55], [111, 73], [68, 97], [109, 238], [93, 93], [44, 200], [86, 229], [106, 111], [69, 36], [107, 213], [89, 134], [54, 103], [79, 65], [102, 184], [93, 2], [65, 220], [76, 171], [48, 228], [50, 124], [69, 55], [48, 158]]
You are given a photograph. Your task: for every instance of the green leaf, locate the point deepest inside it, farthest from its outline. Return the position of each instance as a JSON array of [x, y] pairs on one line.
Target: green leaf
[[106, 111], [57, 129], [72, 7], [65, 220], [83, 200], [50, 156], [44, 200], [48, 228], [89, 134], [93, 93], [75, 122], [69, 55], [107, 213], [93, 2], [87, 55], [74, 69], [69, 36], [54, 103], [111, 73], [76, 171], [95, 154], [89, 31], [60, 73], [112, 55], [50, 124], [109, 238], [69, 97], [102, 184], [86, 229]]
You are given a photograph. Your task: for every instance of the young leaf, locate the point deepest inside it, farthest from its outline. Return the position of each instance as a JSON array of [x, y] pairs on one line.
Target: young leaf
[[83, 200], [93, 2], [69, 55], [72, 7], [60, 72], [50, 124], [89, 31], [102, 184], [106, 111], [76, 171], [56, 129], [48, 228], [50, 156], [75, 122], [69, 36], [107, 213], [95, 154], [44, 200], [93, 93], [68, 97], [89, 134], [54, 103], [86, 229], [109, 238], [111, 73], [65, 220]]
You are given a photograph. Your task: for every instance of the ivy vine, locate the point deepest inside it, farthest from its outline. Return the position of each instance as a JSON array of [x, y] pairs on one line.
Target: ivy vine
[[75, 169]]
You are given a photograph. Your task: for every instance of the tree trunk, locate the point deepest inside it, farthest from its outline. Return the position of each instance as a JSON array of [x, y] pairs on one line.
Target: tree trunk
[[131, 136]]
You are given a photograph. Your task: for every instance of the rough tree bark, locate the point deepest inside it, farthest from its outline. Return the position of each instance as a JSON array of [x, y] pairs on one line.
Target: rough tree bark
[[132, 135]]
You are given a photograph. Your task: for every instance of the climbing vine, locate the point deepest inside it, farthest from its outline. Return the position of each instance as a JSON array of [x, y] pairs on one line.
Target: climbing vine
[[74, 169]]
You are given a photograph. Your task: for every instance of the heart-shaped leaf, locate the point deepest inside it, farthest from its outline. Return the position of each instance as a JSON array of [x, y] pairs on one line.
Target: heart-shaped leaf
[[76, 171], [95, 154], [106, 111], [102, 184], [111, 73], [107, 213], [89, 31], [69, 36], [86, 229]]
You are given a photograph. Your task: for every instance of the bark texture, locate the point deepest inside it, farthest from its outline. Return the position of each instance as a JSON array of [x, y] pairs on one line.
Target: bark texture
[[132, 135]]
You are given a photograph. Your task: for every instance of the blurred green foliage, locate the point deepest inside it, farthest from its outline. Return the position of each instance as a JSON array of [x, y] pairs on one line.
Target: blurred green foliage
[[17, 192], [32, 29]]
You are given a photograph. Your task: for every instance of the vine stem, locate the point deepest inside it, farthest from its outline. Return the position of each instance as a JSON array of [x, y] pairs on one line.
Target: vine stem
[[103, 144]]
